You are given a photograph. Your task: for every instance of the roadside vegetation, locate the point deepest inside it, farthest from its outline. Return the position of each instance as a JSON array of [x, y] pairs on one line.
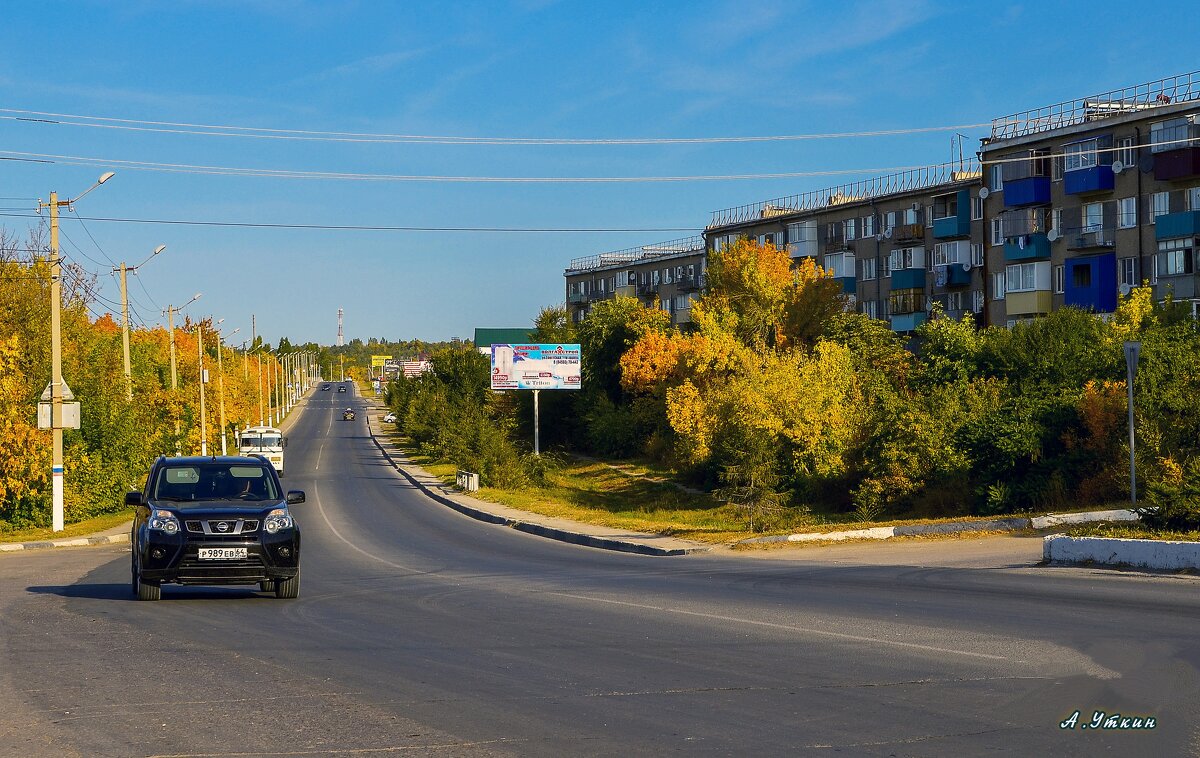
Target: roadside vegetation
[[118, 439], [790, 410]]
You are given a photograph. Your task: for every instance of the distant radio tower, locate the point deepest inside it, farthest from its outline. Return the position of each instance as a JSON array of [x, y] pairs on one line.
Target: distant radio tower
[[341, 340]]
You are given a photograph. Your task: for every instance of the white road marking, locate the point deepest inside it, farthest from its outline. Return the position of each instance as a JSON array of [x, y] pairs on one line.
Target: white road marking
[[787, 627], [336, 533]]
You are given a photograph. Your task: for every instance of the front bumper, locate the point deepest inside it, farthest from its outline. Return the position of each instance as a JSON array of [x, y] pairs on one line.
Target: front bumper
[[175, 558]]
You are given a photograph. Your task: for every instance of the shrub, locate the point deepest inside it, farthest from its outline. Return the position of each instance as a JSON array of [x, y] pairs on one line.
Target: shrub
[[1173, 504]]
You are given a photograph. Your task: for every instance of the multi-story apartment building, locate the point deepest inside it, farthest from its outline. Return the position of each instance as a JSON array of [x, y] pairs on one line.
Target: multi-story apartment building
[[671, 273], [1087, 198], [898, 243]]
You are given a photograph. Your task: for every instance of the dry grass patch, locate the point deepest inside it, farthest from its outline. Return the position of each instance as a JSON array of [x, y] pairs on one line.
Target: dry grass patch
[[77, 529]]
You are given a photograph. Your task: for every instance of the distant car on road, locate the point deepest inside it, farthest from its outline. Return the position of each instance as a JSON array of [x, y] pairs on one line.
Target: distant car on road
[[348, 414], [324, 387], [214, 520], [341, 388], [390, 418]]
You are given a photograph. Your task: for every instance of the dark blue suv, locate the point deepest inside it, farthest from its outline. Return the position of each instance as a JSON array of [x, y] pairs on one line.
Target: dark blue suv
[[218, 520]]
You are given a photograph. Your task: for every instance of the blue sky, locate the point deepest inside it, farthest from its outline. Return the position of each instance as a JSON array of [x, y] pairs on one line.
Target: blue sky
[[518, 69]]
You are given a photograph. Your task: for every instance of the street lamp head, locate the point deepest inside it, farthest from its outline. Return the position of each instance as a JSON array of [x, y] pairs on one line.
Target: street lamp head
[[106, 176], [159, 249]]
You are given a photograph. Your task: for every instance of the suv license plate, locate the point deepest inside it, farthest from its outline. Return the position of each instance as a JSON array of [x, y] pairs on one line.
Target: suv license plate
[[222, 553]]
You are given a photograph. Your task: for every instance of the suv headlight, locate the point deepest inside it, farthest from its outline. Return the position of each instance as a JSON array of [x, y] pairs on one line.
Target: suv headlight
[[164, 521], [276, 520]]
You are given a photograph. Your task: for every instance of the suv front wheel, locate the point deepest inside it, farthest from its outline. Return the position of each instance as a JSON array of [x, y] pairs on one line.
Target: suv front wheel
[[143, 590]]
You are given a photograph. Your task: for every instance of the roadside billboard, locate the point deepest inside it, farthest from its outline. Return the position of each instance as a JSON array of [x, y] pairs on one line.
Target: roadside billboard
[[535, 367], [377, 361]]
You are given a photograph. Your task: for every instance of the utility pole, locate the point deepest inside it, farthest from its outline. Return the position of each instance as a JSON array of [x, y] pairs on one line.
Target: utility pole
[[221, 387], [125, 317], [258, 362], [200, 363], [170, 313]]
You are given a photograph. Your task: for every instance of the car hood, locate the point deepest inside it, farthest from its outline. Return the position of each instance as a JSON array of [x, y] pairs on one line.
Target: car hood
[[222, 510]]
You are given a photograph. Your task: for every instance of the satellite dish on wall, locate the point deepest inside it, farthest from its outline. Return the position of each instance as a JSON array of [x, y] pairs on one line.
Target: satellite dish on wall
[[1146, 163], [966, 267], [878, 237], [1124, 289], [1052, 235], [1118, 167], [984, 192], [888, 233]]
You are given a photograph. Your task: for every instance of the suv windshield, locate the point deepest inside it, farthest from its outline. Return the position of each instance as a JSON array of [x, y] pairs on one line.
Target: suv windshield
[[193, 484]]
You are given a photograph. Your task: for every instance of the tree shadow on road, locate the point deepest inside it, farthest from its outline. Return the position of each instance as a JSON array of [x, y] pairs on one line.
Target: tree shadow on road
[[121, 591]]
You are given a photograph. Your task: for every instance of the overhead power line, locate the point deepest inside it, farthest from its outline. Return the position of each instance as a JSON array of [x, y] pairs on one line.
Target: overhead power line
[[309, 135], [368, 228]]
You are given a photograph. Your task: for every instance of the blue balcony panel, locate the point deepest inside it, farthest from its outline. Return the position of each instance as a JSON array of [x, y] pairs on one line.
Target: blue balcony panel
[[957, 276], [952, 226], [1035, 246], [1094, 179], [908, 322], [1091, 283], [1032, 191], [849, 284], [1172, 225], [908, 279]]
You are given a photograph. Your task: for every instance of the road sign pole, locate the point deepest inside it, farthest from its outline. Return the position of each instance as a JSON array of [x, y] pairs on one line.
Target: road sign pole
[[536, 441]]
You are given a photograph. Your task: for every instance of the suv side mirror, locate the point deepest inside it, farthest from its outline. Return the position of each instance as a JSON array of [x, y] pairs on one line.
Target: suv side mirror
[[295, 496], [133, 498]]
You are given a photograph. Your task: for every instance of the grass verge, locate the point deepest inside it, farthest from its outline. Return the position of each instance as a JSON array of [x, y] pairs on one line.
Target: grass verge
[[77, 529], [1129, 531]]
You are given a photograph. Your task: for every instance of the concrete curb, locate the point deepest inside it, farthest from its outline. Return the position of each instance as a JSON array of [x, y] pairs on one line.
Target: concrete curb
[[1114, 552], [952, 527], [110, 539], [434, 488]]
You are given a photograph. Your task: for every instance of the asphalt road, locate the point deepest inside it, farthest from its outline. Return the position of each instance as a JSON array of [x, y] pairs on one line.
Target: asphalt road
[[420, 631]]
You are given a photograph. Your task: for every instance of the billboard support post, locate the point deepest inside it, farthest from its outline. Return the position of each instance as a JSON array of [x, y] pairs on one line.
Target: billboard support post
[[536, 367], [536, 426]]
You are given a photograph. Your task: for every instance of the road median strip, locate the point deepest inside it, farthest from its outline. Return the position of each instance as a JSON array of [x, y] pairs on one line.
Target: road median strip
[[1165, 555], [103, 539]]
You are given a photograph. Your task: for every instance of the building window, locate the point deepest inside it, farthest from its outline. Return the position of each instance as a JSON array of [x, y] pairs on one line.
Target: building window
[[1093, 217], [1060, 277], [870, 308], [1160, 205], [1170, 135], [1127, 212], [976, 208], [600, 285], [1080, 155], [996, 178], [1056, 221], [997, 231], [946, 253], [998, 285], [868, 226], [849, 229], [906, 257], [1081, 277], [1023, 277], [977, 301], [657, 277], [911, 215], [574, 288], [1128, 271], [868, 269], [976, 254], [840, 264], [1126, 152], [1174, 257], [954, 301], [889, 221], [668, 275], [802, 238], [1193, 196], [1056, 168]]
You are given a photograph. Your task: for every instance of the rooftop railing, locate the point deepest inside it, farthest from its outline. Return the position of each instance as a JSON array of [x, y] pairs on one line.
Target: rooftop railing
[[1173, 89], [635, 254], [854, 192]]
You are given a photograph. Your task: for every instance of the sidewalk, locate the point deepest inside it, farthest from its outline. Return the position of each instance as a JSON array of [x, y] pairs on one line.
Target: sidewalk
[[117, 535], [564, 530]]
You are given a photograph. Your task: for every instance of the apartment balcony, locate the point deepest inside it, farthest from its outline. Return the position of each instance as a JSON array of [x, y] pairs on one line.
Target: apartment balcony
[[577, 297], [1090, 238], [1177, 164], [908, 232], [806, 249], [1090, 283], [1027, 247], [626, 290], [1031, 303], [1034, 190], [908, 322], [1084, 180], [952, 275], [687, 283], [908, 278], [958, 225], [849, 284], [838, 244], [1172, 225], [647, 288]]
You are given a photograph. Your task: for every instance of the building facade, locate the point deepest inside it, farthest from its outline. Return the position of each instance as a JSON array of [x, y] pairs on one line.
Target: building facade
[[898, 243], [670, 274], [1088, 198]]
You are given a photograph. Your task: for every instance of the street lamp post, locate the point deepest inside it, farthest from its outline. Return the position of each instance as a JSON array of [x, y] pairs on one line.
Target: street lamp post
[[200, 371], [56, 378], [170, 312], [125, 317], [221, 384]]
